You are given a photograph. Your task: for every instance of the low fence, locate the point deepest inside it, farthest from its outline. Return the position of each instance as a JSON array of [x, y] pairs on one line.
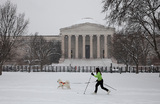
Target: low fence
[[105, 69]]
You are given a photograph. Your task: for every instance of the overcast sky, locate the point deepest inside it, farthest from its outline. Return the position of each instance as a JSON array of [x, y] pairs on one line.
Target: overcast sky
[[48, 16]]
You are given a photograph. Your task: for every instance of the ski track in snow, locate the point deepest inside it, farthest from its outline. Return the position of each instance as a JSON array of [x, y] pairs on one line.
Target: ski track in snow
[[41, 88]]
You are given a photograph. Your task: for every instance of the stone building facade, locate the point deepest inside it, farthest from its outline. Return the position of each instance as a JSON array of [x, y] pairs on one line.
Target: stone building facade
[[86, 41]]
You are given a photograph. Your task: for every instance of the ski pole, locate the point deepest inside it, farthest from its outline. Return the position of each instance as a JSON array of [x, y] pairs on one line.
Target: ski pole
[[87, 84], [110, 87]]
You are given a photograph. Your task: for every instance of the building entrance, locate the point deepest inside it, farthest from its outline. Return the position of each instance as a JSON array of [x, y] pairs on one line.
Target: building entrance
[[87, 51]]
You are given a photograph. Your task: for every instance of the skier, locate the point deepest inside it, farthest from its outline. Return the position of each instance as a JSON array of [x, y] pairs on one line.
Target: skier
[[99, 81]]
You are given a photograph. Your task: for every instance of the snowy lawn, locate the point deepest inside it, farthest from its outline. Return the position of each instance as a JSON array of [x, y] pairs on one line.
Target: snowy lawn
[[41, 88]]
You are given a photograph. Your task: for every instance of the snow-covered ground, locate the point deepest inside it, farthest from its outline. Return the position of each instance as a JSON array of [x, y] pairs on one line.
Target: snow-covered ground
[[41, 88]]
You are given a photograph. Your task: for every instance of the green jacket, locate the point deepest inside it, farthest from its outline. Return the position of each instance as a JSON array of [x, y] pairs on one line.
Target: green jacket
[[99, 76]]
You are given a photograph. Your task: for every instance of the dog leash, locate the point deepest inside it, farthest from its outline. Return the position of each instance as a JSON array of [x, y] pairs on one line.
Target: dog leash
[[82, 82]]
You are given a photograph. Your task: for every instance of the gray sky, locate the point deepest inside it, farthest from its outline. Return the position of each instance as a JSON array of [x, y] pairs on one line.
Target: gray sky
[[48, 16]]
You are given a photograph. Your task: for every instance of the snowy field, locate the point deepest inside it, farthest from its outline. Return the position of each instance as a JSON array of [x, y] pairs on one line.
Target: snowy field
[[41, 88]]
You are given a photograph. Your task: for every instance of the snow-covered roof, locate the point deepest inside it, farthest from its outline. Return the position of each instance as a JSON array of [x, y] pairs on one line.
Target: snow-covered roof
[[86, 20]]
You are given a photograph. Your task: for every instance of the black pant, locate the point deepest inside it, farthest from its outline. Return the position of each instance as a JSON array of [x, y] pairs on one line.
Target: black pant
[[101, 84]]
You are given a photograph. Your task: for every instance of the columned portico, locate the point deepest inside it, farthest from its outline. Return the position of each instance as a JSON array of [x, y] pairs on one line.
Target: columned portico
[[85, 41], [85, 47]]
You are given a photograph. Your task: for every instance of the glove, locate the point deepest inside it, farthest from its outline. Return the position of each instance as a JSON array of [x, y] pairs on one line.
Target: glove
[[92, 74]]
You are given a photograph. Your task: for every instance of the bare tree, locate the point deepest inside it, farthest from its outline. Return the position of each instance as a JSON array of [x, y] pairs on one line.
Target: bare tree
[[143, 15], [39, 51], [130, 49], [28, 49], [134, 48], [56, 45], [12, 25], [119, 52]]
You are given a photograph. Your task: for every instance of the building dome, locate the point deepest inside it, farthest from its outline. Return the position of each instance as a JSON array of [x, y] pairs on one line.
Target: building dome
[[86, 20]]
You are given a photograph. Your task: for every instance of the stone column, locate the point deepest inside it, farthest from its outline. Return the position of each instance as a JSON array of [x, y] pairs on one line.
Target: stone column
[[76, 46], [62, 46], [69, 46], [84, 46], [91, 46], [98, 46], [105, 46]]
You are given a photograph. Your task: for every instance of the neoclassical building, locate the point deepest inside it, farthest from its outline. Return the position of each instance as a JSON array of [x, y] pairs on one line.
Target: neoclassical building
[[83, 40], [86, 40]]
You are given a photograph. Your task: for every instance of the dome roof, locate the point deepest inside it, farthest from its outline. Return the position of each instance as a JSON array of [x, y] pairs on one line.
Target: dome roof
[[86, 20]]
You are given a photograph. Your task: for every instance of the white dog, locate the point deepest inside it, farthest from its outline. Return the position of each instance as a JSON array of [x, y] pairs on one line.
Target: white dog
[[61, 84]]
